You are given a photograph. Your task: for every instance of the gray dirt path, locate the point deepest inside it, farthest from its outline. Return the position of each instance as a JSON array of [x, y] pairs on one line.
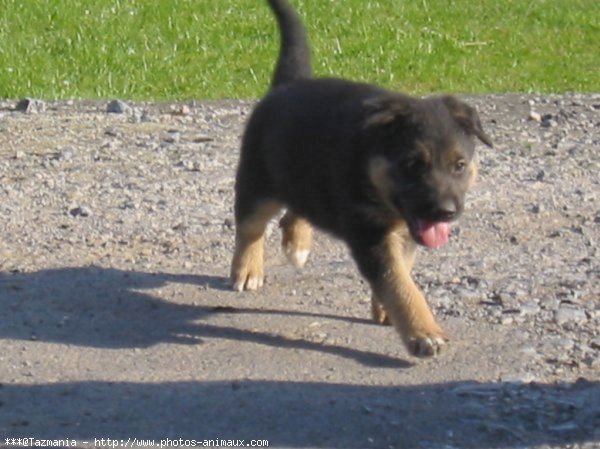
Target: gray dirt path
[[116, 320]]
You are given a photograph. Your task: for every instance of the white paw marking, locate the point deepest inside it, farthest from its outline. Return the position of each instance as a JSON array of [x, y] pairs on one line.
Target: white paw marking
[[297, 258]]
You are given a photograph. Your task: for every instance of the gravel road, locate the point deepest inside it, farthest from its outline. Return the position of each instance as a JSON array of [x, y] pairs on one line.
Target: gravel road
[[116, 320]]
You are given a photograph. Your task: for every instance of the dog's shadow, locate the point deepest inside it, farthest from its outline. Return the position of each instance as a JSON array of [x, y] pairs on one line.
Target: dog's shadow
[[110, 308]]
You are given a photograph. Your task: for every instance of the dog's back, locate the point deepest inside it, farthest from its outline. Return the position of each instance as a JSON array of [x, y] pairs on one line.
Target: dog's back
[[294, 62]]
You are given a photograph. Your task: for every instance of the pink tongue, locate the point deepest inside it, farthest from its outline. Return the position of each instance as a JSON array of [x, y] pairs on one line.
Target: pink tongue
[[434, 234]]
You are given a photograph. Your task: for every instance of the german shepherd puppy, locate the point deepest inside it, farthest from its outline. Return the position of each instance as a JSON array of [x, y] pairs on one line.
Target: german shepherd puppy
[[381, 170]]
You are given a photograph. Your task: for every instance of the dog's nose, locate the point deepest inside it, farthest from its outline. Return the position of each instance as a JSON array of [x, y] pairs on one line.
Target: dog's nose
[[448, 209]]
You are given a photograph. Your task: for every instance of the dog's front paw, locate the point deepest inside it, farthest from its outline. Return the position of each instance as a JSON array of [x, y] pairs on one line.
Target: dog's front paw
[[427, 344]]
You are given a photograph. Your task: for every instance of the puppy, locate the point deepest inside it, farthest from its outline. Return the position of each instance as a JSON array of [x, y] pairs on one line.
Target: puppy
[[383, 171]]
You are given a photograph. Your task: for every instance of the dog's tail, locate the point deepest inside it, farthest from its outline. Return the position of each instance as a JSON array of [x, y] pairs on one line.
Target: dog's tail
[[294, 62]]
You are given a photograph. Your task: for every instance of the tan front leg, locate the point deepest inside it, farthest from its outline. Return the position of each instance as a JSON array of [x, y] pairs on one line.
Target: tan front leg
[[403, 302], [378, 312]]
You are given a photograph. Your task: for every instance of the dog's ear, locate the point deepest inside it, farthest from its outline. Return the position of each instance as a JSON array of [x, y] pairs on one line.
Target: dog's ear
[[467, 118], [384, 110]]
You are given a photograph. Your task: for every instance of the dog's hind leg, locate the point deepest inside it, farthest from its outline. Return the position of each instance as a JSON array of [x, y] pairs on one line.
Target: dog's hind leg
[[254, 207], [378, 313], [296, 238], [247, 266]]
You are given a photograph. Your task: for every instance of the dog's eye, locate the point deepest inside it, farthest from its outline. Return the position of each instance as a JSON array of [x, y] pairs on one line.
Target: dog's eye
[[459, 166]]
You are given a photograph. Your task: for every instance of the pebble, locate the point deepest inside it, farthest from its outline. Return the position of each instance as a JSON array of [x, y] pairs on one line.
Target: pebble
[[570, 313], [557, 343], [535, 116], [200, 138], [80, 211], [118, 107], [548, 121], [31, 106], [530, 308], [172, 137], [541, 174]]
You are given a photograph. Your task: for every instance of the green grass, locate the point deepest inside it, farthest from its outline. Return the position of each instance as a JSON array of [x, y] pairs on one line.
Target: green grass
[[208, 49]]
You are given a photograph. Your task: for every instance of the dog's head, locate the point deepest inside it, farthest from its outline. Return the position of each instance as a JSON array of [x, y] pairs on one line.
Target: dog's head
[[422, 162]]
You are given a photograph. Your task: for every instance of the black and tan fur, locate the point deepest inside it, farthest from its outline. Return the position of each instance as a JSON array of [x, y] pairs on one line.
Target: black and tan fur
[[360, 162]]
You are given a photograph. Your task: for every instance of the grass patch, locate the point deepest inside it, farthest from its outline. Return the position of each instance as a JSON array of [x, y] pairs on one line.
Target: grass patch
[[209, 49]]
